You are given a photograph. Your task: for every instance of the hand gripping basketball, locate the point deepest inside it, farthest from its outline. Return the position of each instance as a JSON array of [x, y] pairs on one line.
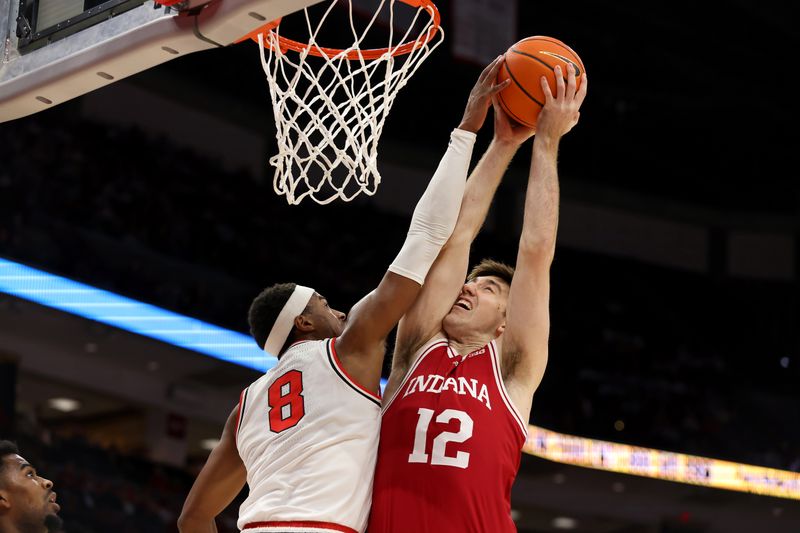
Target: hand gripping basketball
[[480, 97], [562, 111]]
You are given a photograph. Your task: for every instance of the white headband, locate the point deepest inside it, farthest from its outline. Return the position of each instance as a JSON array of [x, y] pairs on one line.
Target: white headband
[[283, 325]]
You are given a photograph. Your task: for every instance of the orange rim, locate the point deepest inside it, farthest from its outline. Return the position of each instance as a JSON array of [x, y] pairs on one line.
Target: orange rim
[[372, 53]]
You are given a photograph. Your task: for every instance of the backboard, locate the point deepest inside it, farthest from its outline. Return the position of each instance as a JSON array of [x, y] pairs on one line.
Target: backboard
[[55, 50]]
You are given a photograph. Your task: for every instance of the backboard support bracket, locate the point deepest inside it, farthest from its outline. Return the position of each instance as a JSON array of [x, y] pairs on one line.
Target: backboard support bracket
[[120, 46]]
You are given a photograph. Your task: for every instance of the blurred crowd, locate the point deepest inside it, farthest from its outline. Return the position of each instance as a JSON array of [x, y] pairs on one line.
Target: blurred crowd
[[674, 361], [118, 209], [102, 489], [639, 354]]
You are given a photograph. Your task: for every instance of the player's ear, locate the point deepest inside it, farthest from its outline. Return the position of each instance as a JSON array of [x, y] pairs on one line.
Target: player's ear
[[303, 323], [500, 330], [5, 503]]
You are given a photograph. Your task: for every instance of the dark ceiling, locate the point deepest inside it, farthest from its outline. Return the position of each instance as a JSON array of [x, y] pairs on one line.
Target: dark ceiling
[[689, 101]]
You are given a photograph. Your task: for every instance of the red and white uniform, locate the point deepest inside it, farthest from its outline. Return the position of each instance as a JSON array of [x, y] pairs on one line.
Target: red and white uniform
[[450, 447], [308, 436]]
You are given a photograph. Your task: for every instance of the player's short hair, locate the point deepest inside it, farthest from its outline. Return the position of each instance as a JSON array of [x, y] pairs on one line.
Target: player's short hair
[[265, 309], [490, 267], [6, 448]]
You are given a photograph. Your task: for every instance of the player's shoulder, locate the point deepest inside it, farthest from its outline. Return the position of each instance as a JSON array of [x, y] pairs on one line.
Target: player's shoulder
[[438, 340], [422, 348], [305, 346], [293, 356], [301, 348]]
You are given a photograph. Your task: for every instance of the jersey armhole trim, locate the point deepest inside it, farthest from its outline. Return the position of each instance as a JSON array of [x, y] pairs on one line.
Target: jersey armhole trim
[[239, 416], [501, 386], [337, 366]]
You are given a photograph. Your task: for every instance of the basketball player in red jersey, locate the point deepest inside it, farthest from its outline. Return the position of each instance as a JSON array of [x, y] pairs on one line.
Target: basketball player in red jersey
[[469, 356], [305, 435]]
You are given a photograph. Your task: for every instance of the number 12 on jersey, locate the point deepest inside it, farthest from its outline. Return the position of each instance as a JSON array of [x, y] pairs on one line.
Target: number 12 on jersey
[[438, 455]]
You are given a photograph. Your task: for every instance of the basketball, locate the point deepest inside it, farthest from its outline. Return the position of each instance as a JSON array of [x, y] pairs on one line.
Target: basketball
[[525, 63]]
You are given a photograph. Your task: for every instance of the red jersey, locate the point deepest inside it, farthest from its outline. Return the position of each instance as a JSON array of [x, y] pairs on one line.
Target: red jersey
[[450, 447]]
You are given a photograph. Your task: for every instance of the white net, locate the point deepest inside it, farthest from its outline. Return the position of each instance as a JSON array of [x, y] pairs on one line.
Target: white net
[[330, 105]]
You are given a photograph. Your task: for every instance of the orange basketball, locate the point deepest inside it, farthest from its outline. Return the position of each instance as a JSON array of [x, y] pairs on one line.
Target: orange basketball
[[525, 63]]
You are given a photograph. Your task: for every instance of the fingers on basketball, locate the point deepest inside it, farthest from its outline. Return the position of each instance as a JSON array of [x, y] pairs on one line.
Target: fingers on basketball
[[548, 93], [499, 87], [491, 69], [561, 85]]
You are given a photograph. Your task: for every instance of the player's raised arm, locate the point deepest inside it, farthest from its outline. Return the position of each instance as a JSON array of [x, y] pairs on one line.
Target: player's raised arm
[[361, 345], [447, 274], [525, 340], [219, 482]]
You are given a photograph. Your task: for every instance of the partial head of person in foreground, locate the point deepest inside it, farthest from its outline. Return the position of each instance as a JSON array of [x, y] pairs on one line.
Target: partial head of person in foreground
[[27, 501], [285, 313], [479, 312]]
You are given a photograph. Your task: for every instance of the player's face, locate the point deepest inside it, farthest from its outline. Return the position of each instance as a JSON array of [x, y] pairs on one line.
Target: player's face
[[327, 321], [479, 310], [28, 498]]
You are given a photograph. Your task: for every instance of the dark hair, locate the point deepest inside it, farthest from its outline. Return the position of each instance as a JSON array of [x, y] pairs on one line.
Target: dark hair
[[490, 267], [265, 309], [6, 448]]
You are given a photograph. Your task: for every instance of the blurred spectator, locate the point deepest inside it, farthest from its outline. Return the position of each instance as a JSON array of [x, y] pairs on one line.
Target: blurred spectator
[[102, 490]]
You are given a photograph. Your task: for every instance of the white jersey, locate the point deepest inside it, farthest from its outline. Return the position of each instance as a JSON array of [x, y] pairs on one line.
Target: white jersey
[[308, 436]]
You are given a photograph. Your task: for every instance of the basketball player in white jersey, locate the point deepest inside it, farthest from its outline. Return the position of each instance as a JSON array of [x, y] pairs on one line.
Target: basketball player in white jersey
[[304, 436], [469, 356]]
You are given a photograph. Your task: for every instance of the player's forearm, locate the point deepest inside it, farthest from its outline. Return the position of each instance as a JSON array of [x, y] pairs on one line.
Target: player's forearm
[[436, 213], [215, 488], [541, 199], [480, 190], [190, 524], [447, 274]]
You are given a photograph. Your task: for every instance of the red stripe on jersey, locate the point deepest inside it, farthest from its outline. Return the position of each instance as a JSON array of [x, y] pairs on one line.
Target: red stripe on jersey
[[501, 386], [239, 414], [346, 375], [306, 524]]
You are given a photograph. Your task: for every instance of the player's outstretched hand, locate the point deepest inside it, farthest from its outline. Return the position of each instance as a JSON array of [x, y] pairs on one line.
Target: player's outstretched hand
[[562, 111], [507, 130], [481, 96]]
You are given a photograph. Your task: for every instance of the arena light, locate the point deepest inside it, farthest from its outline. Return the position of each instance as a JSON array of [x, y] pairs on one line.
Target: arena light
[[647, 462], [137, 317], [65, 405], [564, 522]]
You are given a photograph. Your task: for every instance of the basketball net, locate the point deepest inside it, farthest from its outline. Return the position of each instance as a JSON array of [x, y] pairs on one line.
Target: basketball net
[[330, 105]]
